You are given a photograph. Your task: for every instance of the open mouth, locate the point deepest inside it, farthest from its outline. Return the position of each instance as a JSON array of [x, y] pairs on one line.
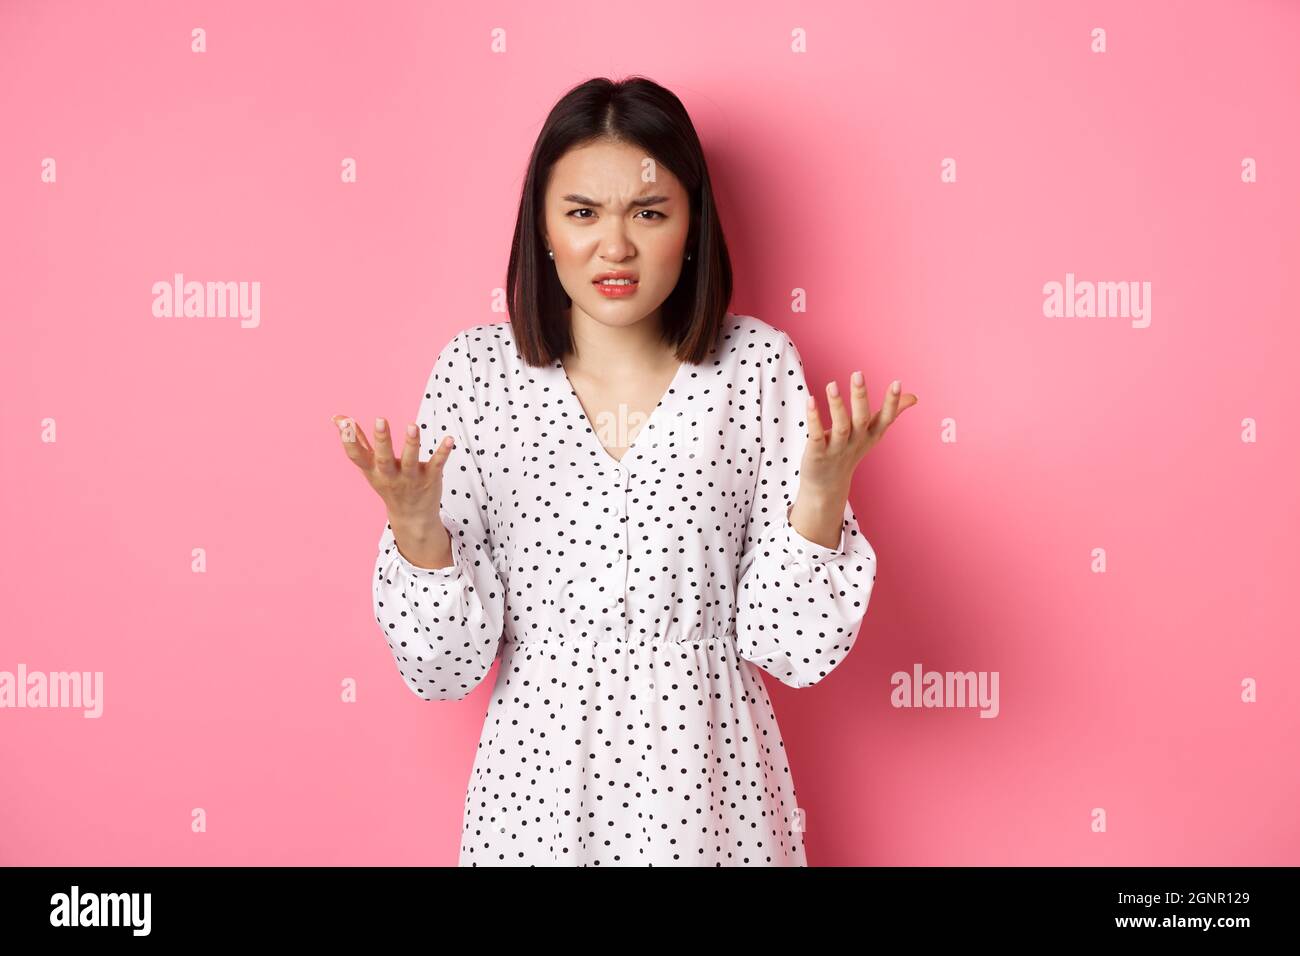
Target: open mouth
[[616, 287]]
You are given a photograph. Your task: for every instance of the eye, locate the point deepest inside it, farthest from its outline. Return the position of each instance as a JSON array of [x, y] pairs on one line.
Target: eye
[[653, 212]]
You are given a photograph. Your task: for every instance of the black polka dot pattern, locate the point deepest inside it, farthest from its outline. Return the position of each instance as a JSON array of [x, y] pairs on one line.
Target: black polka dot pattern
[[631, 604]]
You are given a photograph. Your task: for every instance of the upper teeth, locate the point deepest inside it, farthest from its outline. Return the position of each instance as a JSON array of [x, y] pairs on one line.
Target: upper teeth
[[617, 281]]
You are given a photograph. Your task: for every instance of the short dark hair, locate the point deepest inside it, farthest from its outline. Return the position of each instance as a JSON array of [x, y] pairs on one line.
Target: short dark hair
[[640, 112]]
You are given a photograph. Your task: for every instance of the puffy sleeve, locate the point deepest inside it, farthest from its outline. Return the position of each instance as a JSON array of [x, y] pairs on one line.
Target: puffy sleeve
[[799, 604], [444, 625]]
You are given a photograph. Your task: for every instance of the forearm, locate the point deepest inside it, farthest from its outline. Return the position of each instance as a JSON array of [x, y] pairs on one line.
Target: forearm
[[818, 515], [423, 546]]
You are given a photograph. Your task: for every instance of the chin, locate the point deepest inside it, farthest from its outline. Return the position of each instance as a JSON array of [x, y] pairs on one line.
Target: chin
[[627, 311], [622, 320]]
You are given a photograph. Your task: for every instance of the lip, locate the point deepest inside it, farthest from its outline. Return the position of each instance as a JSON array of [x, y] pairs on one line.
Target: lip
[[616, 275], [617, 291]]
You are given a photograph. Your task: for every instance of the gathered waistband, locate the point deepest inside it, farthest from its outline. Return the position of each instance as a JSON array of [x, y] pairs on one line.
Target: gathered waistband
[[697, 638]]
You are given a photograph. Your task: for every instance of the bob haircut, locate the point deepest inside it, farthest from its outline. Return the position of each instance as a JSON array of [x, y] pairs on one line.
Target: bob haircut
[[642, 113]]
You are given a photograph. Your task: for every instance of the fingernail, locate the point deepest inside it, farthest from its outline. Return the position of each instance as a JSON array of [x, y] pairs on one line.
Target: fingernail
[[857, 378], [833, 388], [896, 387], [380, 424], [412, 431]]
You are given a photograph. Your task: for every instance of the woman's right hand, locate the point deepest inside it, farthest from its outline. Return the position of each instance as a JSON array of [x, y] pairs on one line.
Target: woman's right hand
[[411, 489]]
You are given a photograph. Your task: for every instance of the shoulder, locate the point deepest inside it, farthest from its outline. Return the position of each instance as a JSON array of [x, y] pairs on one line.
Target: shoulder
[[751, 332], [478, 340], [751, 339], [750, 329], [472, 345]]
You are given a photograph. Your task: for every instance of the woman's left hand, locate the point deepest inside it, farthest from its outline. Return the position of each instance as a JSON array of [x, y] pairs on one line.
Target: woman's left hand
[[832, 454]]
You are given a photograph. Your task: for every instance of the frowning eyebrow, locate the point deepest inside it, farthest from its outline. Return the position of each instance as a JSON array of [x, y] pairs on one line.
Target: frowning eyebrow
[[643, 201]]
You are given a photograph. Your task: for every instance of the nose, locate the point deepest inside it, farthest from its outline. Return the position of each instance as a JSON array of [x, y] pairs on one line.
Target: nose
[[615, 245]]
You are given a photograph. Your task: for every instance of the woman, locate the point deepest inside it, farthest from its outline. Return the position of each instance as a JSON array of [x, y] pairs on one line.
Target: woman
[[632, 577]]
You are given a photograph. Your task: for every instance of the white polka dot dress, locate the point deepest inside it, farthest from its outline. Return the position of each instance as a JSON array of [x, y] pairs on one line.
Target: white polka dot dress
[[632, 604]]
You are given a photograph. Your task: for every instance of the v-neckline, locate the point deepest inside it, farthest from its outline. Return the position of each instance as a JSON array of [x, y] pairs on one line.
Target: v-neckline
[[645, 426]]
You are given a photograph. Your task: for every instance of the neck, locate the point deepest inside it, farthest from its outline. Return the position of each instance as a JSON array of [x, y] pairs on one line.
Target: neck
[[618, 350]]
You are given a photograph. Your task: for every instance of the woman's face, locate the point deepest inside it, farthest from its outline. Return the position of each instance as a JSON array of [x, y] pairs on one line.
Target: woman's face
[[612, 208]]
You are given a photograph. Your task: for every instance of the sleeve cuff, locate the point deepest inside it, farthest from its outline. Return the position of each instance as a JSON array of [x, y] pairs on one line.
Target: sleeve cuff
[[448, 573], [802, 551]]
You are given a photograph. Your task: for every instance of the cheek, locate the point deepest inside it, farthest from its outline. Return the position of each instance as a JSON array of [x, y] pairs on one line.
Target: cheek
[[663, 247], [666, 261]]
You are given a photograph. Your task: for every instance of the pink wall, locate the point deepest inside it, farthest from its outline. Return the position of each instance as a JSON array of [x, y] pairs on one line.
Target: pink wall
[[1119, 690]]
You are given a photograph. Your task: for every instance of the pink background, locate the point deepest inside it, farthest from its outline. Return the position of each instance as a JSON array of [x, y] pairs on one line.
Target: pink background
[[222, 690]]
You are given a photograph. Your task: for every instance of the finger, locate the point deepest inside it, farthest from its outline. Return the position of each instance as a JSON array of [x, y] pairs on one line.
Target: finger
[[841, 427], [362, 440], [816, 432], [441, 453], [411, 449], [861, 406], [354, 444], [889, 408], [384, 448]]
